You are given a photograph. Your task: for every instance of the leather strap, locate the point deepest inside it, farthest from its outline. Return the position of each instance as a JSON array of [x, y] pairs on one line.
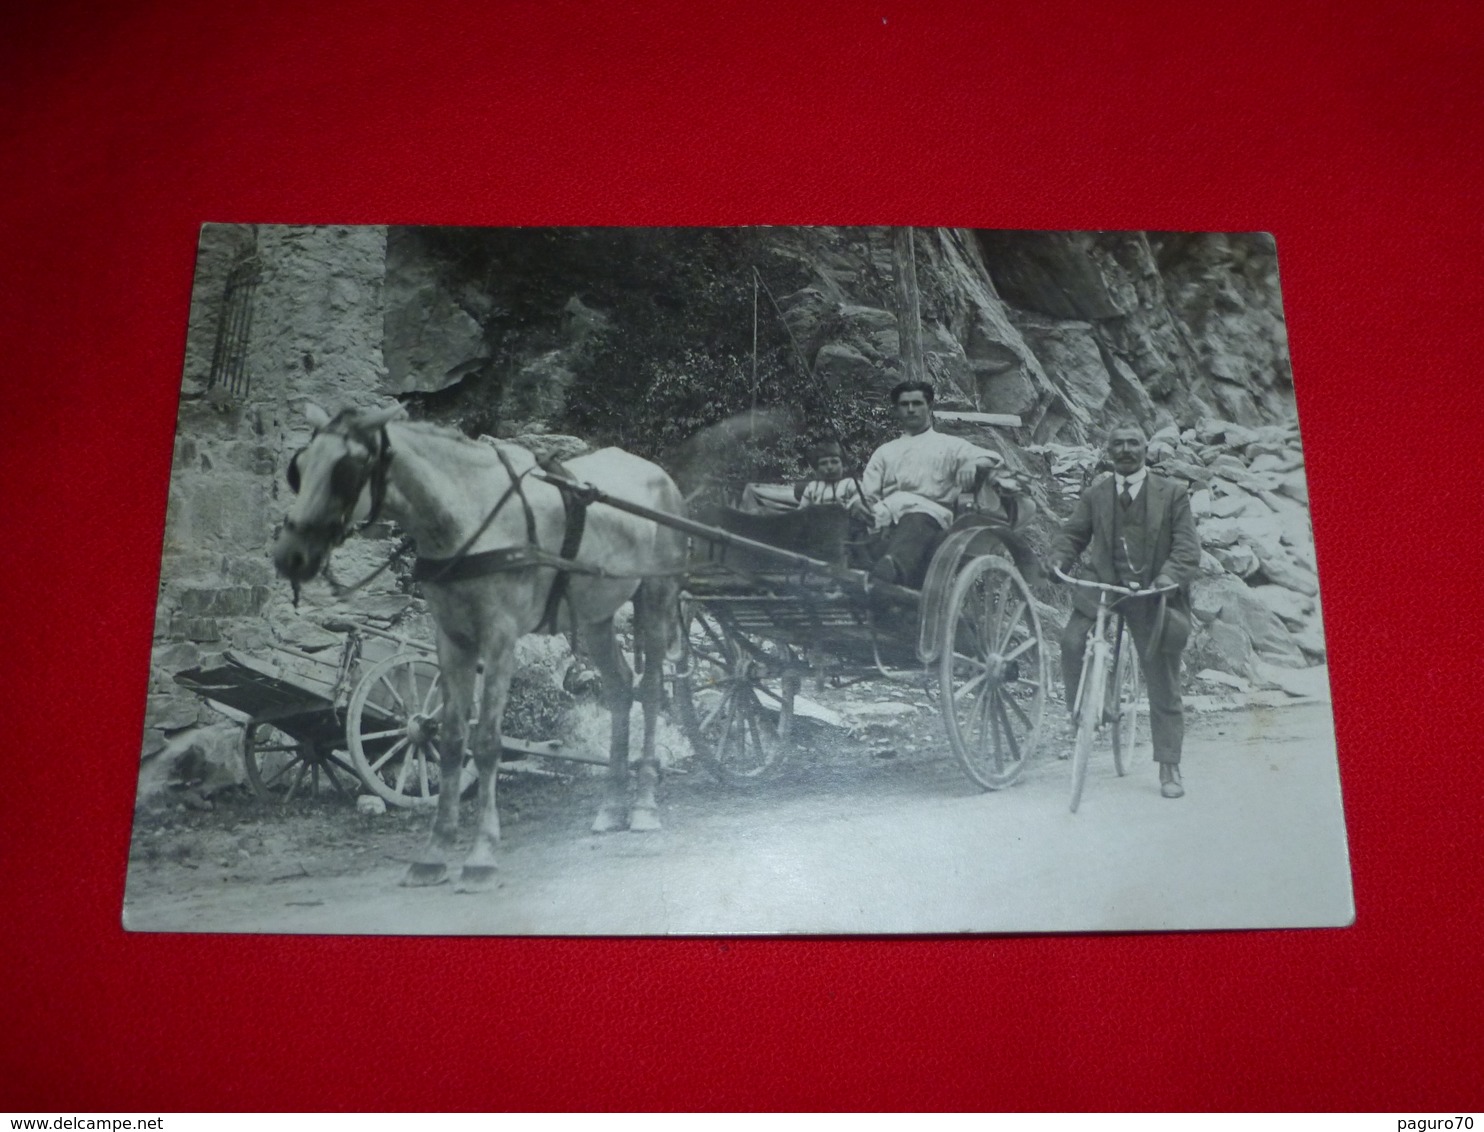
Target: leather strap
[[576, 511]]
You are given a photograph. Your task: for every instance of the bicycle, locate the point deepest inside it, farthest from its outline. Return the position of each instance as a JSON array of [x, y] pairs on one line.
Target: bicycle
[[1101, 701]]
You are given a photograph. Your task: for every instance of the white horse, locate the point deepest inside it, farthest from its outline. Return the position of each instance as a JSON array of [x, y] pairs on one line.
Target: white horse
[[486, 526]]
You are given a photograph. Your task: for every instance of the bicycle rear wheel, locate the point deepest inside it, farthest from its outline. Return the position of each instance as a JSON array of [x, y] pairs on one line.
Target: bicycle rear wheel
[[1089, 715]]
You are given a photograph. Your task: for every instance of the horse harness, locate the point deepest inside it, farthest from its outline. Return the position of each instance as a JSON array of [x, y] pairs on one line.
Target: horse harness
[[351, 474], [462, 566]]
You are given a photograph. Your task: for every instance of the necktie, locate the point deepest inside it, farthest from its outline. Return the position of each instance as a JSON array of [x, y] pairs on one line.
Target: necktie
[[1125, 498]]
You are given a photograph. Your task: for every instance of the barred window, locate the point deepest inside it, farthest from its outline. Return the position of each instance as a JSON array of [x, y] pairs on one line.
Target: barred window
[[229, 374]]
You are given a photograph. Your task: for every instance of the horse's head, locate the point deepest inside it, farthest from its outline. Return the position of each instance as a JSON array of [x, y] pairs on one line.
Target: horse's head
[[338, 479]]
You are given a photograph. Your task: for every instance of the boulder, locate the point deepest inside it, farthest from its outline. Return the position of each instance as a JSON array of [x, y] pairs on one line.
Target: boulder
[[1191, 472], [1217, 432], [1295, 486], [1284, 571], [1310, 639], [1200, 503], [1217, 531], [838, 364], [1273, 458], [1220, 647], [1226, 466], [1303, 683], [1168, 433], [1291, 607], [1255, 482], [171, 711], [1226, 679], [1239, 560], [205, 759], [1236, 502], [1206, 599], [1242, 609]]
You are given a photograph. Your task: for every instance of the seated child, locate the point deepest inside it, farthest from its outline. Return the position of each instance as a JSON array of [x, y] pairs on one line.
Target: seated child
[[832, 486]]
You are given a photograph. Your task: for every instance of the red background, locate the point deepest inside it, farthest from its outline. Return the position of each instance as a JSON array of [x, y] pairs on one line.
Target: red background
[[1351, 131]]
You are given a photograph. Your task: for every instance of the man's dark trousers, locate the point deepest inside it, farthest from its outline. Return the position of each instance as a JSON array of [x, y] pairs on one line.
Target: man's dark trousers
[[1161, 673], [908, 549]]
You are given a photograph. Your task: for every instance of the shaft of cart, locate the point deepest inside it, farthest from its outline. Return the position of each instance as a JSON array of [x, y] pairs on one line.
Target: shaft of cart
[[716, 535]]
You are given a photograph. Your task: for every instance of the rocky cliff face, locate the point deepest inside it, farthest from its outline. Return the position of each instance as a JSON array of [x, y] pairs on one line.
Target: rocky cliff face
[[649, 337], [1063, 329]]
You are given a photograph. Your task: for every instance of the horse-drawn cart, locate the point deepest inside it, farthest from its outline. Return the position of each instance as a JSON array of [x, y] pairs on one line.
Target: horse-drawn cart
[[360, 718], [770, 602]]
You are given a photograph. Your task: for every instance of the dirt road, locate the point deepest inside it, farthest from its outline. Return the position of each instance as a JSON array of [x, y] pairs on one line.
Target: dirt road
[[850, 842]]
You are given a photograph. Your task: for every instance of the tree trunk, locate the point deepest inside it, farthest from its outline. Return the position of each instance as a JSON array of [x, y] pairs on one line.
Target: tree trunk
[[909, 312]]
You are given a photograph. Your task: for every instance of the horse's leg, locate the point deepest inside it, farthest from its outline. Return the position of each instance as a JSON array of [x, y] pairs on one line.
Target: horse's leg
[[654, 612], [618, 689], [499, 665], [430, 866]]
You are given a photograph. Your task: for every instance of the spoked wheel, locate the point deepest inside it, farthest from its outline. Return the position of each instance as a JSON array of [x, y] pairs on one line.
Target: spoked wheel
[[281, 767], [992, 672], [1123, 707], [392, 726], [736, 718], [1092, 691]]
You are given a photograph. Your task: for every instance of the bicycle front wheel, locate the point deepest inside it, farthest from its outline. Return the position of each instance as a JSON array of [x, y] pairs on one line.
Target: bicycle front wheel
[[1126, 692], [1093, 688]]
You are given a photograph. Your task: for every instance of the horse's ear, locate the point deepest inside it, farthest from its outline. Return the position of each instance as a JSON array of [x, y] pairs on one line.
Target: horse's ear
[[315, 415], [375, 418]]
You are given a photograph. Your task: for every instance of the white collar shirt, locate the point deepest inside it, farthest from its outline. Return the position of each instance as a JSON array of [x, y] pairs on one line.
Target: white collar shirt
[[1133, 484]]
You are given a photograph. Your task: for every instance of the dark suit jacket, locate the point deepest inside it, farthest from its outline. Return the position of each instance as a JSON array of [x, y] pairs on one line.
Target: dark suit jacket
[[1172, 549]]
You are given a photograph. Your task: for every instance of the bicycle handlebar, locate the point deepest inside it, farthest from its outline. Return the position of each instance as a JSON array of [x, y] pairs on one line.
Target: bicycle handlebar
[[1122, 591]]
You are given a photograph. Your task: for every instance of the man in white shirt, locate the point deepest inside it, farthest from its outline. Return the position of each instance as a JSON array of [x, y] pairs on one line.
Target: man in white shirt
[[911, 483]]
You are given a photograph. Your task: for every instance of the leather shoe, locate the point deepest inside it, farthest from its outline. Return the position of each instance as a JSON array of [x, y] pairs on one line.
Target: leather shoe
[[1169, 780]]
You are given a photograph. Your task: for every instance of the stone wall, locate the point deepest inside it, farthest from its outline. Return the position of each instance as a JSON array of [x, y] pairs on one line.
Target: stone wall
[[316, 334]]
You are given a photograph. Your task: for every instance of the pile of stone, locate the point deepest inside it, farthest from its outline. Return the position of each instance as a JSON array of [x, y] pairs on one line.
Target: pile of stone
[[1256, 601]]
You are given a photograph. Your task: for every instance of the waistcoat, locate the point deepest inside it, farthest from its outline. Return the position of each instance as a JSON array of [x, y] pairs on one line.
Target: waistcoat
[[1131, 542]]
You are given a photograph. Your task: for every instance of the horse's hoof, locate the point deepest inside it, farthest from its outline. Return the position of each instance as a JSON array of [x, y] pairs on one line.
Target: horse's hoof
[[477, 878], [421, 874], [645, 820], [609, 820]]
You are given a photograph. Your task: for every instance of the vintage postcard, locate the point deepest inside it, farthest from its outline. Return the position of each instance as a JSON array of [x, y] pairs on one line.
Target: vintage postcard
[[605, 581]]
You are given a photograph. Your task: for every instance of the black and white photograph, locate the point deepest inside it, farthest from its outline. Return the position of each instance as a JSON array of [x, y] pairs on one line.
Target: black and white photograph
[[756, 580]]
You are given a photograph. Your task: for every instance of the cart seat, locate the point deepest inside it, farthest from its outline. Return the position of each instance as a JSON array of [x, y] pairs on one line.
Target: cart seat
[[819, 532]]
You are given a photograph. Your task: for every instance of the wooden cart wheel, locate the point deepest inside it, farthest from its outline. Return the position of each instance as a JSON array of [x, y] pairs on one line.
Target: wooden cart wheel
[[392, 727], [1125, 691], [992, 672], [282, 767], [736, 721]]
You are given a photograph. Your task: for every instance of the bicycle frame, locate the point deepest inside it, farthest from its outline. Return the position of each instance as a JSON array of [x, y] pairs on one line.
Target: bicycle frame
[[1099, 660]]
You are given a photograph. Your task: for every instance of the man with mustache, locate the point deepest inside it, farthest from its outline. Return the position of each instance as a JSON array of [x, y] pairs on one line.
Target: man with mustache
[[1137, 531]]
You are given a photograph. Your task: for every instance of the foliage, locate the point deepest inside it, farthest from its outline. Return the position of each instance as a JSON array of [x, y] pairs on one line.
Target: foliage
[[536, 706], [690, 341]]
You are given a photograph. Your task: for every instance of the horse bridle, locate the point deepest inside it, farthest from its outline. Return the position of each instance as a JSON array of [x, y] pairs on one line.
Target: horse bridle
[[348, 478]]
